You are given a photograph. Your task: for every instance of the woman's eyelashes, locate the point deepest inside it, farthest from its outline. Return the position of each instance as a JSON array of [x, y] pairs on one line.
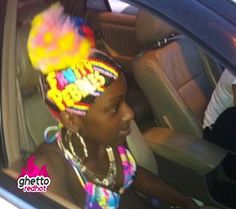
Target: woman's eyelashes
[[115, 109]]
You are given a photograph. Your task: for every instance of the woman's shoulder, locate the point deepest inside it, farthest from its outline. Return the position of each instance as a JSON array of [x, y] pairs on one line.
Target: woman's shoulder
[[57, 168], [49, 154]]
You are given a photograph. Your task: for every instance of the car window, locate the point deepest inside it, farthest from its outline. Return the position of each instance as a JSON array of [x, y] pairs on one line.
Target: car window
[[30, 105], [122, 7]]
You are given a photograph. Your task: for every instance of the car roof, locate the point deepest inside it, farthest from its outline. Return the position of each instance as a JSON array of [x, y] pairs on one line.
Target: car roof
[[210, 23]]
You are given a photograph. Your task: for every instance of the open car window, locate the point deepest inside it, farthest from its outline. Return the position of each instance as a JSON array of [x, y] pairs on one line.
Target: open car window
[[122, 7], [26, 116]]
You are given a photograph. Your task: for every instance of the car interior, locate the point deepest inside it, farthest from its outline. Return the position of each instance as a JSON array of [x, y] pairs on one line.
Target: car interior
[[164, 69]]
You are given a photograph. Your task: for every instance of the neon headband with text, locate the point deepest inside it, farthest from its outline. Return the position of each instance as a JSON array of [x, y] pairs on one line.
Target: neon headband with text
[[69, 89]]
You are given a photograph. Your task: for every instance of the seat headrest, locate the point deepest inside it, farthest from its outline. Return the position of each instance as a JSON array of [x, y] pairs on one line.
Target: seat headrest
[[117, 19], [150, 29]]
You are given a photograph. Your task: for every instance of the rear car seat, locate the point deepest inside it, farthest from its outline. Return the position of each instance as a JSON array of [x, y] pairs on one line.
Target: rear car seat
[[177, 79], [118, 33]]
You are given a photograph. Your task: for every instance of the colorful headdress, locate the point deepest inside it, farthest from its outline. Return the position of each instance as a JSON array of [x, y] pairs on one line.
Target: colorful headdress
[[57, 41], [74, 74]]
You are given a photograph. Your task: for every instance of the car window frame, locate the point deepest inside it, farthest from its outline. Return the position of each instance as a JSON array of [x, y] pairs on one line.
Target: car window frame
[[3, 154]]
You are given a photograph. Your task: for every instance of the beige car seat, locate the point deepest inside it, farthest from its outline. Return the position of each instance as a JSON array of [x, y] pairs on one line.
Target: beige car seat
[[118, 31], [177, 78]]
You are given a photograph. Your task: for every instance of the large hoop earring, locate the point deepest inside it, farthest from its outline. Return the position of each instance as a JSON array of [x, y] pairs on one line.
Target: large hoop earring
[[83, 144], [68, 137]]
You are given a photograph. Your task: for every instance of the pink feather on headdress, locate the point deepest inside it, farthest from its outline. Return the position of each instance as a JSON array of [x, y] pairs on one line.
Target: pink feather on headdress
[[54, 41]]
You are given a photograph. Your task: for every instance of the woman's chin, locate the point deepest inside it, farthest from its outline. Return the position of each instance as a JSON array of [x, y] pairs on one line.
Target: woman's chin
[[121, 140]]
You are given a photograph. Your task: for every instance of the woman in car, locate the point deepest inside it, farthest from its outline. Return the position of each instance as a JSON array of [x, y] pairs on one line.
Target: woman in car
[[88, 162], [219, 122], [220, 115]]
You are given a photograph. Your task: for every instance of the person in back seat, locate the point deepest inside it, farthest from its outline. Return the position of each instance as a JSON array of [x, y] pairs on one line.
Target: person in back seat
[[88, 161], [220, 119]]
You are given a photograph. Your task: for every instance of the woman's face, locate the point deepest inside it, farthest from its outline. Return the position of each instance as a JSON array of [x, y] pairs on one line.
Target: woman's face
[[108, 120]]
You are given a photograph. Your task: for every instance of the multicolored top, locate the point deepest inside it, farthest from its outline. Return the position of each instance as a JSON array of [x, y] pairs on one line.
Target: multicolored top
[[99, 197]]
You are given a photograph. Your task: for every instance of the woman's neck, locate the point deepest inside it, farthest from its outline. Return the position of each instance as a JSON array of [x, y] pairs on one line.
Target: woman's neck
[[97, 159], [96, 152]]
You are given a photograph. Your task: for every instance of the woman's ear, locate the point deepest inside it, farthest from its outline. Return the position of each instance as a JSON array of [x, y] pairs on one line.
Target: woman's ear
[[70, 121]]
